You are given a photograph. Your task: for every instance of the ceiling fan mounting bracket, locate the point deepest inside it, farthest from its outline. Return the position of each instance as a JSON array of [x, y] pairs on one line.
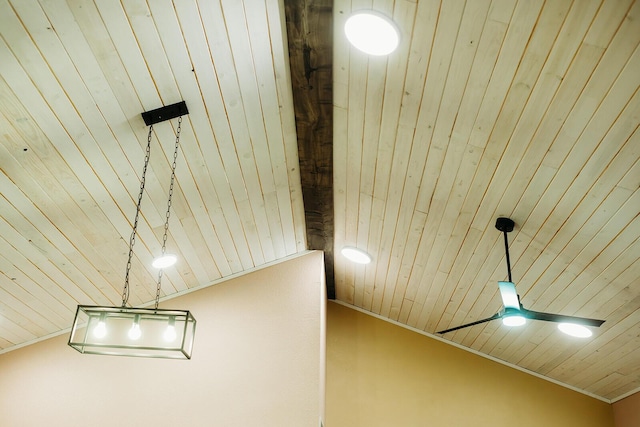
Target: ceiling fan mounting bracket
[[505, 224]]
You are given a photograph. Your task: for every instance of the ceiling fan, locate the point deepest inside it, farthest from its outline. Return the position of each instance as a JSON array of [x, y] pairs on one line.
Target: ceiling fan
[[514, 314]]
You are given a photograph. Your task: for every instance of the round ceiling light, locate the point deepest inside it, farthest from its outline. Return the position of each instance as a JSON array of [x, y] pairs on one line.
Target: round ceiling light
[[575, 330], [356, 255], [164, 261], [372, 33]]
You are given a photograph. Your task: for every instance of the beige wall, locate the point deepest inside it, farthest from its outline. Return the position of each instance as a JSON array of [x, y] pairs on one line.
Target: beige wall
[[379, 374], [627, 411], [256, 362]]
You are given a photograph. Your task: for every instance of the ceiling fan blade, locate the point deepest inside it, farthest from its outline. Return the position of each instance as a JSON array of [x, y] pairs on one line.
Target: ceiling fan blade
[[477, 322], [509, 295], [560, 318]]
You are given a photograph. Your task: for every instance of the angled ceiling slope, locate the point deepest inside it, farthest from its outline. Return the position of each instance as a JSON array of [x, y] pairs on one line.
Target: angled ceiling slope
[[487, 109], [74, 79]]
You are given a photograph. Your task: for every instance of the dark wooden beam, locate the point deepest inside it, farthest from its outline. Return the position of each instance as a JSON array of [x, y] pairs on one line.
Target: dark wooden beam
[[310, 33]]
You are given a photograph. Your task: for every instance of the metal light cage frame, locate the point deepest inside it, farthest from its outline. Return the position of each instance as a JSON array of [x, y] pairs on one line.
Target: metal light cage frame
[[153, 325]]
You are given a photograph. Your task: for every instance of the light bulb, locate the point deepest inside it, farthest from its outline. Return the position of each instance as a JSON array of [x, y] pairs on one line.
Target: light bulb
[[514, 320], [100, 331], [164, 261], [170, 332], [135, 332]]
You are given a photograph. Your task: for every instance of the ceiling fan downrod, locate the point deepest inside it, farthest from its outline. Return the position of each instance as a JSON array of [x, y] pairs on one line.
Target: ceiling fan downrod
[[506, 226]]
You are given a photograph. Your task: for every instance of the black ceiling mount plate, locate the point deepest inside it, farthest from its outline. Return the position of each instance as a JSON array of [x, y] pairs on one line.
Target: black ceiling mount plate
[[165, 113], [504, 224]]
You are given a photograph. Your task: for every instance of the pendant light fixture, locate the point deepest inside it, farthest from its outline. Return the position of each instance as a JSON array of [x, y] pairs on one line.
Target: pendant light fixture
[[140, 332]]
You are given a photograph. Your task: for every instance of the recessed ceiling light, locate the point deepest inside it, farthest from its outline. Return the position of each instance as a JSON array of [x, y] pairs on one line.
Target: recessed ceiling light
[[372, 33], [356, 255], [575, 330], [164, 261]]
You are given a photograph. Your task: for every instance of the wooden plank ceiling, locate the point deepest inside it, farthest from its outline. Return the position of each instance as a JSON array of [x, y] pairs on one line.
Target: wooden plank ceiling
[[75, 78], [526, 109]]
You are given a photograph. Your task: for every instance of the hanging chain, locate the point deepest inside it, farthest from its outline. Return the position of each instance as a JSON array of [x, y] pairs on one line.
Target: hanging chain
[[168, 214], [132, 238]]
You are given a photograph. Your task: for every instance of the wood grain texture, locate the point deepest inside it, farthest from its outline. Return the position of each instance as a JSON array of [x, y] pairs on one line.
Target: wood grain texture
[[309, 29]]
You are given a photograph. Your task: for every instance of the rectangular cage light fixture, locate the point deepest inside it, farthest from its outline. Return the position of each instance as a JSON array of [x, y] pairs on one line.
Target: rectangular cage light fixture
[[140, 332], [137, 332]]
